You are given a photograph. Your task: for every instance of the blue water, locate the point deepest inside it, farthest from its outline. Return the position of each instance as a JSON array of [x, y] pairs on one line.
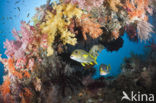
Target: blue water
[[115, 58], [10, 18]]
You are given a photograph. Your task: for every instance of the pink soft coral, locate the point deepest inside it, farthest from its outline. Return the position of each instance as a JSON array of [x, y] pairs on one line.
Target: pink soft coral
[[23, 38], [86, 4], [20, 63]]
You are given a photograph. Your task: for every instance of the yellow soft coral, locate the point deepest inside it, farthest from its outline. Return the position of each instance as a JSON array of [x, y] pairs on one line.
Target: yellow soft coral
[[57, 22]]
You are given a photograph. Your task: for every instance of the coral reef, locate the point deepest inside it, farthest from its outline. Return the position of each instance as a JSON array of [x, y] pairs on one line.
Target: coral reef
[[38, 68], [138, 74], [56, 24]]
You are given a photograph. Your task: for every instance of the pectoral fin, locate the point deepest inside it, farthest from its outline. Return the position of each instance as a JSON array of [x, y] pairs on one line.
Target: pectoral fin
[[83, 64]]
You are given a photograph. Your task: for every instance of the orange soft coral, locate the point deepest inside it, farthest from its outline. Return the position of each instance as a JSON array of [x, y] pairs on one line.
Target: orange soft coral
[[26, 95], [113, 4], [12, 69], [5, 90], [137, 9], [27, 74], [27, 92], [90, 27], [5, 87], [115, 34]]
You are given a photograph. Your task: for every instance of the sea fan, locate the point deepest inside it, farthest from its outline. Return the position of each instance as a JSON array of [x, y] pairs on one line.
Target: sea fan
[[143, 30]]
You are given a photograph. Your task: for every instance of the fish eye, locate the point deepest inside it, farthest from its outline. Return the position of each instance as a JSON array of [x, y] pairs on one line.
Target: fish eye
[[76, 51]]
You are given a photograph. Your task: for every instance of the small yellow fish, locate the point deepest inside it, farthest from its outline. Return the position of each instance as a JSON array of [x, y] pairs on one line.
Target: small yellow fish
[[83, 57], [87, 58], [104, 69]]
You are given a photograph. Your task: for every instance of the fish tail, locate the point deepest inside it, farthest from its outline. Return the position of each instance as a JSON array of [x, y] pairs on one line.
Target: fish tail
[[109, 66], [95, 60]]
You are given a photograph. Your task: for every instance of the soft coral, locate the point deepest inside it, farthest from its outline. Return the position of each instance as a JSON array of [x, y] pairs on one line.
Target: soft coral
[[137, 9], [5, 87], [13, 70], [86, 25]]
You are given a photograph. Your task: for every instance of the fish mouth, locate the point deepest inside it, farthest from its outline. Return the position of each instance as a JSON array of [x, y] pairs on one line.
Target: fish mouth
[[72, 57]]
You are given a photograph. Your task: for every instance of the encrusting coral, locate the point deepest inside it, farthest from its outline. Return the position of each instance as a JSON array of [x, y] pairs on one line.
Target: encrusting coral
[[38, 64]]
